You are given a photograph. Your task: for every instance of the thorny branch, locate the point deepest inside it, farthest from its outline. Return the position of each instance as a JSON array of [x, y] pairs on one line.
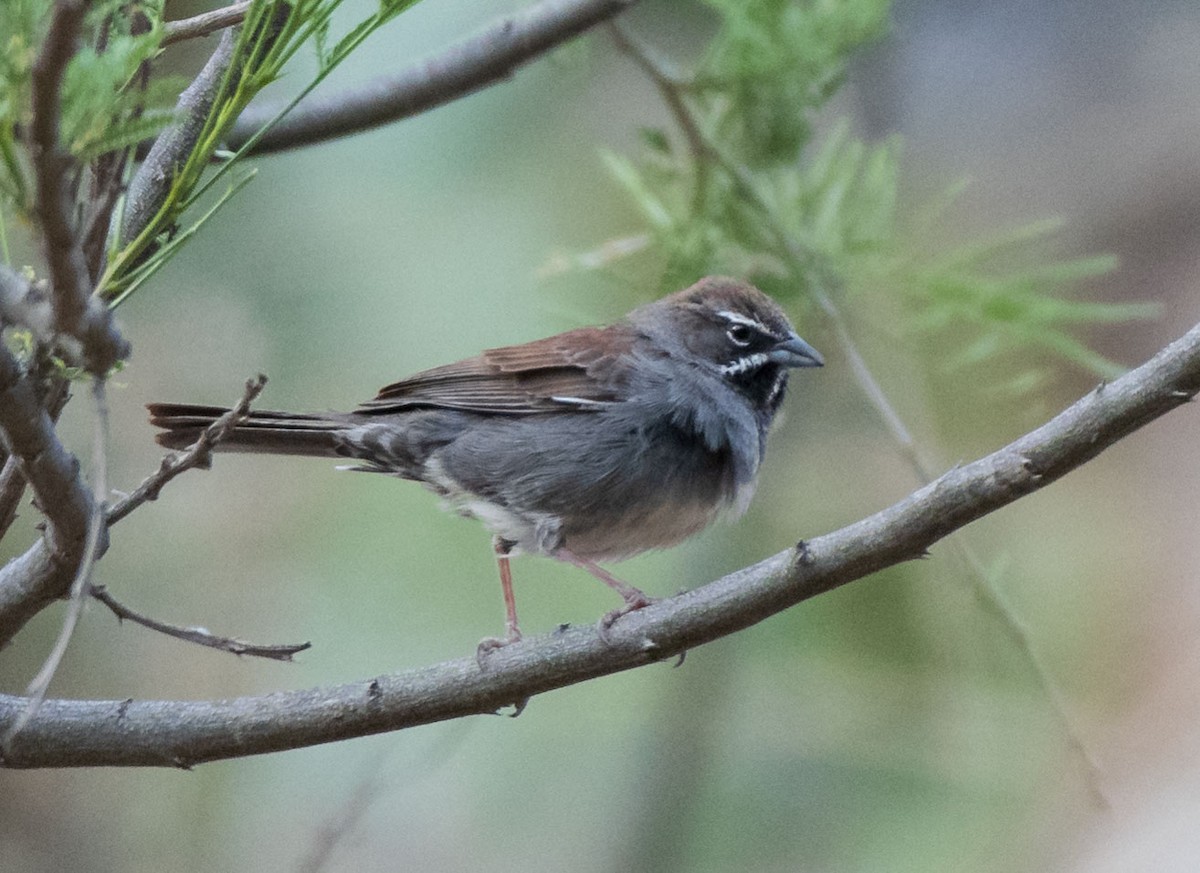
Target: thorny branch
[[199, 454], [198, 635], [184, 733]]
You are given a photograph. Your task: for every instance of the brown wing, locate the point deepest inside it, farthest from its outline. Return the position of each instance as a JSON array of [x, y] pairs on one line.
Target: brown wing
[[571, 371]]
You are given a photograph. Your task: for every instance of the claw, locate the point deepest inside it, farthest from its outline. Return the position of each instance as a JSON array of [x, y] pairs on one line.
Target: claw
[[633, 602]]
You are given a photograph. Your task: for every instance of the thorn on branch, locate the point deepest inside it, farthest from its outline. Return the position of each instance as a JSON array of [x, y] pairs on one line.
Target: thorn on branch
[[1030, 467], [651, 649]]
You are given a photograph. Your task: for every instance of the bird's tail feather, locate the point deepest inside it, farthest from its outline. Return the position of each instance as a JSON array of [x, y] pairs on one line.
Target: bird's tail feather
[[283, 433]]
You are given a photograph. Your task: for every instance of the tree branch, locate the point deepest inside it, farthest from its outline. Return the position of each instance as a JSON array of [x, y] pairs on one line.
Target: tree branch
[[491, 55], [152, 183], [44, 573], [184, 733], [205, 23], [76, 313], [80, 584]]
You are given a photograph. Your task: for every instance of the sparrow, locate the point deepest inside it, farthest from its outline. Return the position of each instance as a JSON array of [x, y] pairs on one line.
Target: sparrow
[[591, 445]]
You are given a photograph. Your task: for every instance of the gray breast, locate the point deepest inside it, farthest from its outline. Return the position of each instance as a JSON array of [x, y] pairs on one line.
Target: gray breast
[[600, 484]]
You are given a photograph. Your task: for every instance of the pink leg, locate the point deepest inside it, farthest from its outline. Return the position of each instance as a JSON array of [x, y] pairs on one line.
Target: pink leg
[[512, 630], [634, 598]]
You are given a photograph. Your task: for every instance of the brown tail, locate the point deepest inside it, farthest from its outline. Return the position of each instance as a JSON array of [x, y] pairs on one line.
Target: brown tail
[[285, 433]]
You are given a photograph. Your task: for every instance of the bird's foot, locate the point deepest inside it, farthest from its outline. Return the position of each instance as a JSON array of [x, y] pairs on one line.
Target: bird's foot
[[634, 600]]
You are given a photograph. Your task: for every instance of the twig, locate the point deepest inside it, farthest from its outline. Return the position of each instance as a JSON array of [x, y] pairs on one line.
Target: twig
[[199, 454], [670, 87], [184, 733], [198, 635], [43, 574], [205, 23], [79, 587], [76, 313], [805, 263], [480, 60]]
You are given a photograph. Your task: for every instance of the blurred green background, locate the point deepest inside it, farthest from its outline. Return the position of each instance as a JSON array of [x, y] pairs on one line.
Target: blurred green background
[[891, 725]]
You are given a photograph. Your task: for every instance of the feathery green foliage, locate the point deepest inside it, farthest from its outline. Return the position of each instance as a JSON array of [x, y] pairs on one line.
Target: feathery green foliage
[[103, 109], [748, 189], [273, 31], [111, 103]]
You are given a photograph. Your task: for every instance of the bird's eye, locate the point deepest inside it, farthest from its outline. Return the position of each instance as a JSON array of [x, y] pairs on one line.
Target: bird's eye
[[739, 334]]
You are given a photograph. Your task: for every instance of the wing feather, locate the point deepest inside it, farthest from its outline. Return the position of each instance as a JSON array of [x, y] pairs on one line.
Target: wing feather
[[580, 369]]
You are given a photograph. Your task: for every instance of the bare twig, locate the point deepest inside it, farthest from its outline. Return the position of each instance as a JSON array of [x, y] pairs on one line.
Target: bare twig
[[198, 635], [79, 587], [76, 313], [205, 23], [199, 454], [671, 86], [43, 574], [184, 733], [480, 60]]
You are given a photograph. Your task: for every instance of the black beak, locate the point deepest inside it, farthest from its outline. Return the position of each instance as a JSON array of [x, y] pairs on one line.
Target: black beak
[[795, 352]]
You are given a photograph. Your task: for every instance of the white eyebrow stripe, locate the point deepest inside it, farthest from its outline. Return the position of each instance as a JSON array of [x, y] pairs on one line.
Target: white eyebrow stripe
[[741, 365], [738, 318]]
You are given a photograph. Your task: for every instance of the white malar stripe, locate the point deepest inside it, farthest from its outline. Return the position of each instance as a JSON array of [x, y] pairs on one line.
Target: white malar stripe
[[742, 365], [777, 388], [738, 318]]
